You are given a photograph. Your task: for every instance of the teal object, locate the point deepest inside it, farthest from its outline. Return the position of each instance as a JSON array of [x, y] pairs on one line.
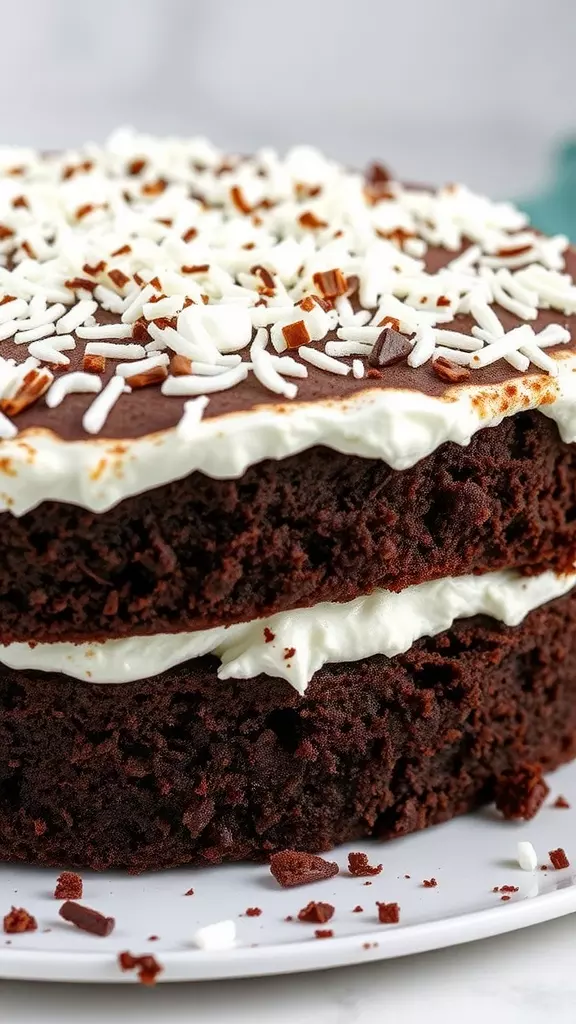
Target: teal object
[[554, 211]]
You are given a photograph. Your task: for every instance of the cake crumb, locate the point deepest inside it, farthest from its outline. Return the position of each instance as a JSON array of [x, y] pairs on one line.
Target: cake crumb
[[359, 867], [429, 883], [561, 802], [388, 913], [520, 792], [291, 867], [189, 892], [253, 911], [358, 910], [559, 859], [86, 919], [68, 886], [324, 933], [147, 966], [19, 920], [316, 913]]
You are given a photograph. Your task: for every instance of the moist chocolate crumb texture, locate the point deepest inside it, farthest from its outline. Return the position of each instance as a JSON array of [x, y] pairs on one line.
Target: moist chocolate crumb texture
[[287, 488]]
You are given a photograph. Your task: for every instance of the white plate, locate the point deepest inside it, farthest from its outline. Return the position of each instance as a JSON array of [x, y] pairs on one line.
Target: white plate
[[468, 857]]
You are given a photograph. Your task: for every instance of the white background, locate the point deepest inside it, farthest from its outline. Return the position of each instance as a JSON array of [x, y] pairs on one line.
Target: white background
[[476, 90]]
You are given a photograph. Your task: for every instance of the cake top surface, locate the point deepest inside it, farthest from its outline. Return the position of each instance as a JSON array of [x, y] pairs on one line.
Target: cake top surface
[[144, 273]]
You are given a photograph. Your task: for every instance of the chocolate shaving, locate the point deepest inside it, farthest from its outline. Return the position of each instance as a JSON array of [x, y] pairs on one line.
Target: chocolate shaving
[[377, 173], [119, 278], [5, 232], [308, 219], [98, 268], [35, 383], [291, 868], [136, 166], [190, 234], [147, 966], [80, 283], [86, 919], [449, 371], [264, 275], [238, 198], [296, 334], [391, 347], [196, 268], [180, 366], [124, 250], [155, 375], [331, 283], [93, 363], [20, 202], [154, 188], [316, 913], [140, 330]]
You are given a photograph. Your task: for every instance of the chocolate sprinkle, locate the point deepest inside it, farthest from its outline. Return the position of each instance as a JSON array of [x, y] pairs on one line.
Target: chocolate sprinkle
[[86, 919], [449, 371]]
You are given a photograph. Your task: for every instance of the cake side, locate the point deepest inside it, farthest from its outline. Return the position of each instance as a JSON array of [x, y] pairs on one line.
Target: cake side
[[186, 769], [285, 455], [320, 526]]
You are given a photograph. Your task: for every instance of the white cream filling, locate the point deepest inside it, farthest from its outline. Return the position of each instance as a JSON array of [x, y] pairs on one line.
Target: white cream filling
[[399, 427], [306, 639]]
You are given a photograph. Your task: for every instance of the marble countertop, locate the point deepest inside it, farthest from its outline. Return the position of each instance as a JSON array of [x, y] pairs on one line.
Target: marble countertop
[[526, 977]]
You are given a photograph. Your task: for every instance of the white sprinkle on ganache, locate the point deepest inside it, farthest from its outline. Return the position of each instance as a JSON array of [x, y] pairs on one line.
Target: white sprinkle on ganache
[[231, 263], [72, 384], [96, 415]]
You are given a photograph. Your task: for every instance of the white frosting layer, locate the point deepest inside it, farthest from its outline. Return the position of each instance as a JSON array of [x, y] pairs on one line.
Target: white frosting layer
[[381, 623], [400, 427]]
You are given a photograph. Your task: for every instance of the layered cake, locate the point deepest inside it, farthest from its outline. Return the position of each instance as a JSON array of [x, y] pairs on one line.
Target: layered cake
[[287, 491]]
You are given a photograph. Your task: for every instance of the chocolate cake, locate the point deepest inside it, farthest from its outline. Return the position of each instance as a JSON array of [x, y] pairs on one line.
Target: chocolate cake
[[287, 489]]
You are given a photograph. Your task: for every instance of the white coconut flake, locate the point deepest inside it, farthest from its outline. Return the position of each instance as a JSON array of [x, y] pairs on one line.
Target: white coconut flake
[[323, 362], [357, 369], [142, 365], [527, 856], [23, 337], [96, 415], [192, 385], [118, 331], [216, 937], [76, 316], [72, 384], [111, 351]]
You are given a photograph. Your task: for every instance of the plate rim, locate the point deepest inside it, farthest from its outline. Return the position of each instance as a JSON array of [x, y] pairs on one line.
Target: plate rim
[[304, 955]]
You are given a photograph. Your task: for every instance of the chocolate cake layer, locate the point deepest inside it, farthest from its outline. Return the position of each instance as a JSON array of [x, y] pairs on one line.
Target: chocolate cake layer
[[187, 769], [320, 526]]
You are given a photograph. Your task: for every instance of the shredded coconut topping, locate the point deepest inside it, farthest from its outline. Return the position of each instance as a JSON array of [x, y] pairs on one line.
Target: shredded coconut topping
[[225, 263]]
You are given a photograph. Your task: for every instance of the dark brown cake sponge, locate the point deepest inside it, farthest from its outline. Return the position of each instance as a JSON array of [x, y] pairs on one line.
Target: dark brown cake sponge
[[184, 768], [319, 526]]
